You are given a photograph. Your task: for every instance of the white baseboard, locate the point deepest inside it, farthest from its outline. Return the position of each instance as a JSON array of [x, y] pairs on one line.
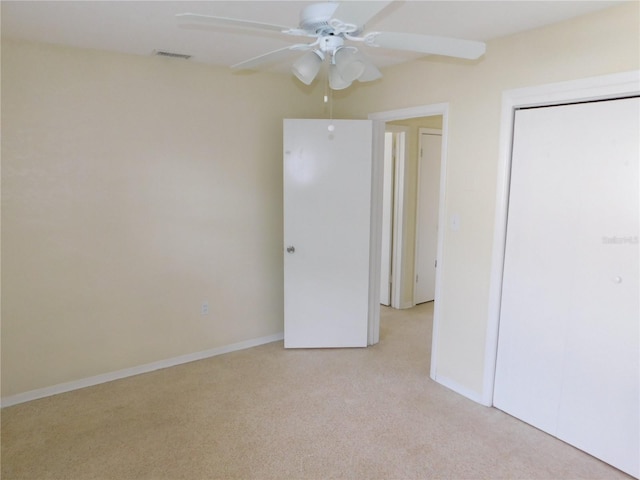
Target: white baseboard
[[456, 387], [129, 372]]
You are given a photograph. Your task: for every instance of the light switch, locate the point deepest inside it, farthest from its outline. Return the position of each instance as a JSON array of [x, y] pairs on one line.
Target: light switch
[[455, 222]]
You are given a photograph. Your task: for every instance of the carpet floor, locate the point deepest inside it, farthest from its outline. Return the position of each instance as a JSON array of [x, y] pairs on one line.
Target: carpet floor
[[270, 413]]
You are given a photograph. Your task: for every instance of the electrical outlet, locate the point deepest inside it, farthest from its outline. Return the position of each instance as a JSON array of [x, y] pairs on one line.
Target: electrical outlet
[[204, 308]]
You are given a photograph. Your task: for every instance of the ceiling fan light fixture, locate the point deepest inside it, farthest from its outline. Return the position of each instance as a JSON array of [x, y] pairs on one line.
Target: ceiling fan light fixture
[[336, 82], [370, 73], [349, 63], [306, 68]]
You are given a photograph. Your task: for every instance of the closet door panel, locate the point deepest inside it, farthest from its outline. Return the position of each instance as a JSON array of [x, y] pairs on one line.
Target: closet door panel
[[539, 272], [599, 407]]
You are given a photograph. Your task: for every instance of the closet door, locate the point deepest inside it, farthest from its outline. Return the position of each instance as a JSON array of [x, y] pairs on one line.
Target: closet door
[[569, 325]]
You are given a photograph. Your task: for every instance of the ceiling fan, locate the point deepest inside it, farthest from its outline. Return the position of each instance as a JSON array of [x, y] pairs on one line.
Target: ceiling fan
[[335, 26]]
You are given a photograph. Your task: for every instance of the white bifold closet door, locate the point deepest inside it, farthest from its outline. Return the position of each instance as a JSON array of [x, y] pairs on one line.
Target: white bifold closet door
[[568, 353]]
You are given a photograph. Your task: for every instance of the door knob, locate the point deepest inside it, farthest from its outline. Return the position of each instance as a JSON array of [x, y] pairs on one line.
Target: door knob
[[291, 249]]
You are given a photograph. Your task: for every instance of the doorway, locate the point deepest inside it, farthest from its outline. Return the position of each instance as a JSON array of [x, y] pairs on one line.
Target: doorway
[[410, 211], [588, 89], [395, 159], [430, 116]]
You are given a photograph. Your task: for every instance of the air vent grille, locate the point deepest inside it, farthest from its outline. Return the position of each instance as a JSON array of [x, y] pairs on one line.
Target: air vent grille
[[162, 53]]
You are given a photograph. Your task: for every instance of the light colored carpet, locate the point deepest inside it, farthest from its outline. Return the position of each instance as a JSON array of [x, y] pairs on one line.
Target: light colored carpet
[[270, 413]]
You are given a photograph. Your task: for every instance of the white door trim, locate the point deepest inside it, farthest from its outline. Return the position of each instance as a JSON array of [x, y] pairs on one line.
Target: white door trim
[[387, 221], [583, 90], [388, 116], [400, 155], [432, 131]]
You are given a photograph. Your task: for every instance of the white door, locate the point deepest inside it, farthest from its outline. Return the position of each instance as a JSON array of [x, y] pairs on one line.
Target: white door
[[568, 349], [327, 209], [387, 220], [427, 214]]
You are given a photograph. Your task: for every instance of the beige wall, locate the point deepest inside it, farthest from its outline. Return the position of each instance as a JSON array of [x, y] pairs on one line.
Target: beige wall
[[135, 188], [132, 190], [597, 44]]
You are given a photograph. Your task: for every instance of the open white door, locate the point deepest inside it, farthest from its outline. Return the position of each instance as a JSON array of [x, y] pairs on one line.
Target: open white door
[[327, 214], [428, 208]]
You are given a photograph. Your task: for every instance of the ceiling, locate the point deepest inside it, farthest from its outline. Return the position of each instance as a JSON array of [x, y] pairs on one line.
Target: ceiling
[[142, 27]]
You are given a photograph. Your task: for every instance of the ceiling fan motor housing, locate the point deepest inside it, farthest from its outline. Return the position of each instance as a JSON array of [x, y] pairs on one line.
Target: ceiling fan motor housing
[[330, 44]]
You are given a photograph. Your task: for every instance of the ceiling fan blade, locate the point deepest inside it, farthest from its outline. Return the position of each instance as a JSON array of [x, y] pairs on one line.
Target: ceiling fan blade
[[233, 22], [359, 12], [450, 47], [255, 62]]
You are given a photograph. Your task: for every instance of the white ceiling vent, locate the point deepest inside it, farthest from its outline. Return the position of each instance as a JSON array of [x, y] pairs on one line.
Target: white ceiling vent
[[163, 53]]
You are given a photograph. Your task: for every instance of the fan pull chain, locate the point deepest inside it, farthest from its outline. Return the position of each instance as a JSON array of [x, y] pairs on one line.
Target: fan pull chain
[[328, 98]]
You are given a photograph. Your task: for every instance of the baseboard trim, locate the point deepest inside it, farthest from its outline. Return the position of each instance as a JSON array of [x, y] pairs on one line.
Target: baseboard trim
[[456, 387], [130, 372]]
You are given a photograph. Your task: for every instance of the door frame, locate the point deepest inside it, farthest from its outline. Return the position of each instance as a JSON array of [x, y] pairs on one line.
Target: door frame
[[387, 221], [379, 119], [421, 131], [583, 90], [400, 152]]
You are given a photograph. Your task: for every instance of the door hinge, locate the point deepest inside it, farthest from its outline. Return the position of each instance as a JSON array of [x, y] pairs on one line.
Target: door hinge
[[417, 278], [436, 264]]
